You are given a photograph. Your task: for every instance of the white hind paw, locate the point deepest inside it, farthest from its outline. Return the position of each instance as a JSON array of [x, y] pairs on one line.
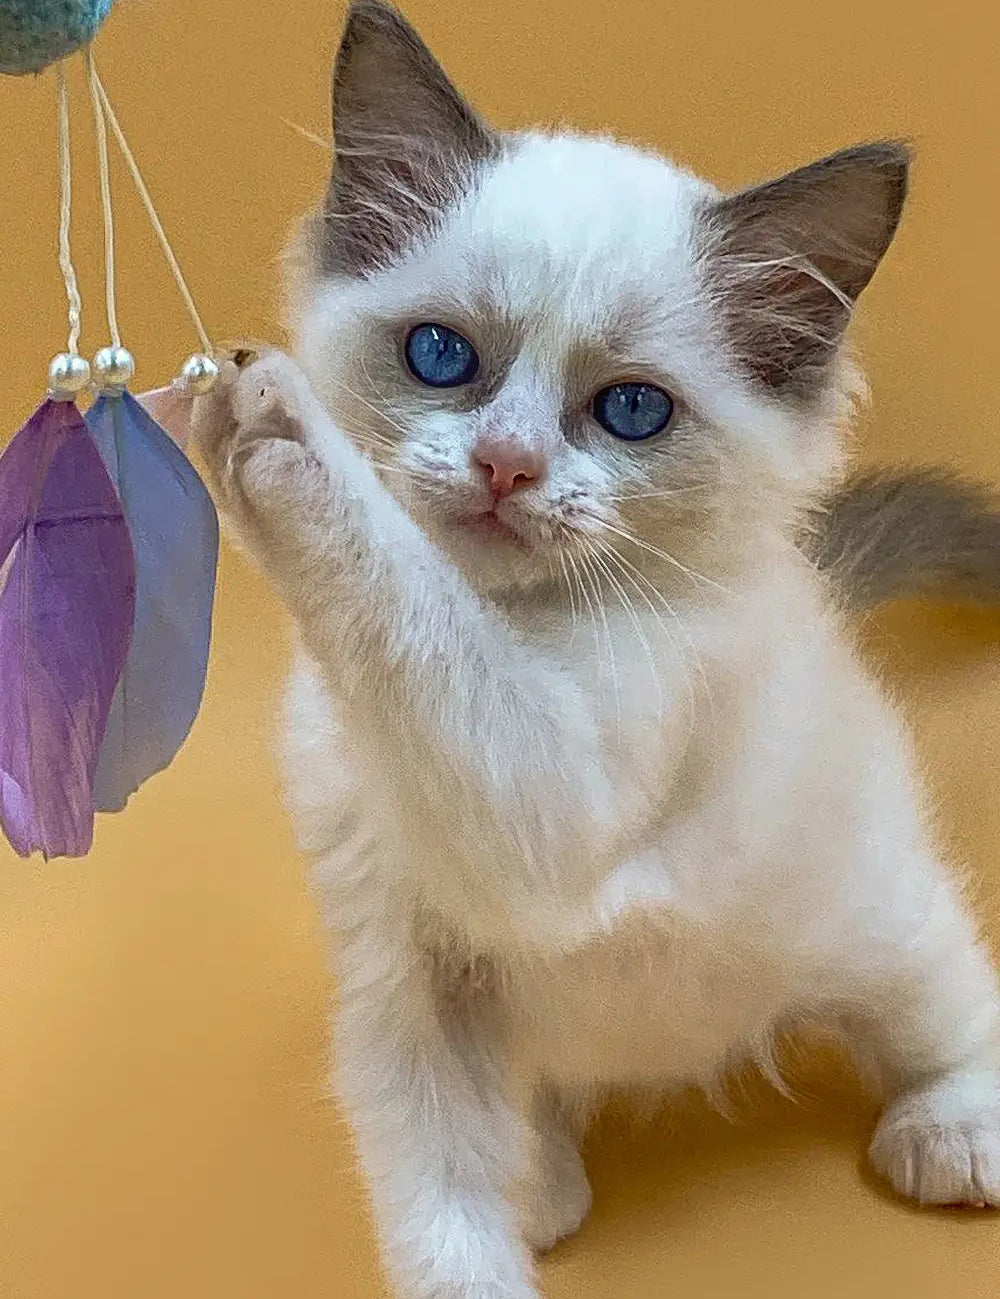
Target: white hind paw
[[940, 1144]]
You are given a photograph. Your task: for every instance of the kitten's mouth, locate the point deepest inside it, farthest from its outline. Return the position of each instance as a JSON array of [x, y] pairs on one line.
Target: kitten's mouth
[[487, 525]]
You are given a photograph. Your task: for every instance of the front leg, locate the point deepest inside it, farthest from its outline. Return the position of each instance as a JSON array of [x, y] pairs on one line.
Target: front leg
[[424, 1081], [555, 1195], [441, 693]]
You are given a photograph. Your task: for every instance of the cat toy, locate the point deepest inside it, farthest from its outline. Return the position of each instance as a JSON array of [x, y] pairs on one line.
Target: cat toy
[[108, 538]]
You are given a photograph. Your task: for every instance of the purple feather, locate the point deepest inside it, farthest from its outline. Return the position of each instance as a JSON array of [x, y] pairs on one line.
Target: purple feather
[[175, 532], [67, 602]]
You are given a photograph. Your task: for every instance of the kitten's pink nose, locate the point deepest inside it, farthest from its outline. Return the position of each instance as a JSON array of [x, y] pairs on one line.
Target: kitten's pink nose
[[508, 467]]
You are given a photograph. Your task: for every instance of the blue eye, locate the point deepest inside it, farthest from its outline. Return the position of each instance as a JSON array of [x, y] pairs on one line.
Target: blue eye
[[440, 357], [633, 411]]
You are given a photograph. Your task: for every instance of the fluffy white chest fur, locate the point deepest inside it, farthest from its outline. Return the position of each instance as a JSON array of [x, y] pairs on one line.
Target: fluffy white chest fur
[[598, 792], [750, 875]]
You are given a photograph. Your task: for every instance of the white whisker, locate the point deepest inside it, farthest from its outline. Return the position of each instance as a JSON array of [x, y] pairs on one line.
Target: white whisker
[[640, 577], [586, 559], [569, 590], [601, 555], [668, 494], [400, 428], [585, 596], [631, 574], [660, 554]]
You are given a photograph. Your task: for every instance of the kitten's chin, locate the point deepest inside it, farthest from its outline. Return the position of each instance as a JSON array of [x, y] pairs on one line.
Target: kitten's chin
[[493, 556]]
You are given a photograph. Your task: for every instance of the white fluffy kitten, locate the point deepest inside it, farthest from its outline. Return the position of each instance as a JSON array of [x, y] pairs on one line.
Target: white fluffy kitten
[[599, 793]]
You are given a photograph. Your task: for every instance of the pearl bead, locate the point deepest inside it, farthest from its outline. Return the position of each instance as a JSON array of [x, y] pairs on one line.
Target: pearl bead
[[114, 367], [69, 374], [198, 374]]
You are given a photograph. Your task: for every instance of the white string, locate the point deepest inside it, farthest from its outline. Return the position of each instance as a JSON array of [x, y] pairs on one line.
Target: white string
[[147, 201], [104, 170], [65, 211]]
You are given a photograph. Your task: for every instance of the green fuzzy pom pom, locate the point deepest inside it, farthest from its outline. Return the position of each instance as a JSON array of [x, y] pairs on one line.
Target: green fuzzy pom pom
[[34, 33]]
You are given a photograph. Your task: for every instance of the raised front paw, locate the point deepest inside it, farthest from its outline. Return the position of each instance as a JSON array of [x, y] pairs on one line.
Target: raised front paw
[[252, 430]]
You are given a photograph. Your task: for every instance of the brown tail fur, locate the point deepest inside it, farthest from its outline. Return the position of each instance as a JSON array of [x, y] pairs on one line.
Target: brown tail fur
[[889, 534]]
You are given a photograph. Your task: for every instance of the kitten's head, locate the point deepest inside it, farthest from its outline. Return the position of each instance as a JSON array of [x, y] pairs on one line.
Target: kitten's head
[[566, 353]]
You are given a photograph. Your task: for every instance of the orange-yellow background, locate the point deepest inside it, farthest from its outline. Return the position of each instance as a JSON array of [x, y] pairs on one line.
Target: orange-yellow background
[[163, 1125]]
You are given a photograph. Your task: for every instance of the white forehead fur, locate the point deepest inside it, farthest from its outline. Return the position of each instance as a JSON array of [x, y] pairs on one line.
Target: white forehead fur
[[562, 232]]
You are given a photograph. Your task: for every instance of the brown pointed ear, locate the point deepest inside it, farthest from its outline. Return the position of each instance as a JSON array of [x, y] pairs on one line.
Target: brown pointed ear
[[405, 141], [788, 260]]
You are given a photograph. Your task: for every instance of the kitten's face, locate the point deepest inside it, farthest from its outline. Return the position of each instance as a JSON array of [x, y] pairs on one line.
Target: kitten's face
[[534, 376], [541, 347]]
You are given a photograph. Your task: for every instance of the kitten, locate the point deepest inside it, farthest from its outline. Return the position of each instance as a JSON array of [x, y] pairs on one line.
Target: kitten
[[599, 793]]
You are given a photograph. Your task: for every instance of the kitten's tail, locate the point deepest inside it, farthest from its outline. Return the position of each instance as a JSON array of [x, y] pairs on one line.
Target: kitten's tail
[[887, 534]]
